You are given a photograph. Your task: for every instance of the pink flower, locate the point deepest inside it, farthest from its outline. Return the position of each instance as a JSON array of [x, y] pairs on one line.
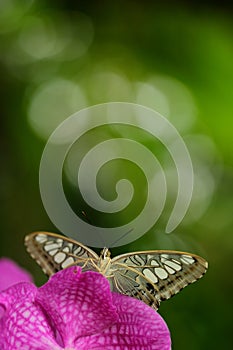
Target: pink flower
[[77, 311], [11, 274]]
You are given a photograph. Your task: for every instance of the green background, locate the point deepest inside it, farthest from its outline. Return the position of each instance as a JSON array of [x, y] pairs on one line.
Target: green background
[[175, 57]]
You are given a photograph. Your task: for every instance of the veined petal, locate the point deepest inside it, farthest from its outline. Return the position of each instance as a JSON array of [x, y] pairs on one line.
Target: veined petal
[[79, 304], [139, 327], [77, 311], [24, 323]]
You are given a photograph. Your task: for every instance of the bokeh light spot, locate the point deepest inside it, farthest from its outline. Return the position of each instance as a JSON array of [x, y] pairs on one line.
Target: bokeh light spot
[[52, 103], [11, 13], [38, 38], [169, 97], [152, 97], [105, 86], [55, 36]]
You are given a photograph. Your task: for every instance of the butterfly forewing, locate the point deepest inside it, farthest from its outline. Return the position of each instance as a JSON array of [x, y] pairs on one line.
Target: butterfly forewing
[[54, 252], [153, 276]]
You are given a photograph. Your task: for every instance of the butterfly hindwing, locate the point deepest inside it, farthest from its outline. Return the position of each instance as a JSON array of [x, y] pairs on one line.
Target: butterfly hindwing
[[54, 252], [129, 281], [153, 276]]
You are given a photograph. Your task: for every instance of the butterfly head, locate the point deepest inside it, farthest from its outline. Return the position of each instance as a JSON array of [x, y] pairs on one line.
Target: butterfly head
[[105, 253]]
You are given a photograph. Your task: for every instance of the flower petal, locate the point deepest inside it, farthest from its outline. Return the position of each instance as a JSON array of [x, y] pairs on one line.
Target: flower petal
[[78, 303], [24, 324], [139, 328], [11, 273]]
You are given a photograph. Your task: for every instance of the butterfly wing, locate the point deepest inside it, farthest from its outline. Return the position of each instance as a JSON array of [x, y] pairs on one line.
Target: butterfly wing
[[153, 276], [54, 252]]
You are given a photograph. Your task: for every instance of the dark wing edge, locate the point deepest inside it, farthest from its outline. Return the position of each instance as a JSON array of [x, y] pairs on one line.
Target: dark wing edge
[[45, 247], [175, 270]]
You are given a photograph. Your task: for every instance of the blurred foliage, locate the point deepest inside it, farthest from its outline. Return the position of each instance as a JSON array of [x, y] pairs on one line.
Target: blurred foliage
[[175, 57]]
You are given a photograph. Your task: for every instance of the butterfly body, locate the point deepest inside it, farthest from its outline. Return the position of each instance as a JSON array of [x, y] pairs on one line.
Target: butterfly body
[[104, 262], [151, 276]]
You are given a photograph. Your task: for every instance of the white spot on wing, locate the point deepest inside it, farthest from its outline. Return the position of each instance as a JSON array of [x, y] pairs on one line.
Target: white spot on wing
[[154, 263], [66, 249], [187, 259], [59, 257], [41, 238], [49, 247], [150, 275], [165, 256], [176, 261], [161, 273], [67, 262], [77, 250], [139, 259], [169, 269], [53, 252], [174, 265]]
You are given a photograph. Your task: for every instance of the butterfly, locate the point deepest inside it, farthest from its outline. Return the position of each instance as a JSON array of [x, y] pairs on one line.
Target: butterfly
[[151, 276]]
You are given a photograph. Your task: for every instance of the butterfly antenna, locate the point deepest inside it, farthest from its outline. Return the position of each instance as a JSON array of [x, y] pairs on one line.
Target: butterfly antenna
[[121, 237], [84, 214]]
